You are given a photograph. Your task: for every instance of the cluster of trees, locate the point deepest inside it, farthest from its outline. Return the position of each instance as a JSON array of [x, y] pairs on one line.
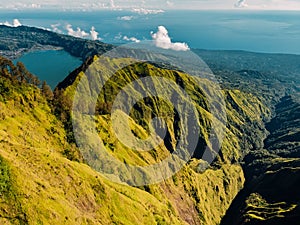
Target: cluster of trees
[[19, 74]]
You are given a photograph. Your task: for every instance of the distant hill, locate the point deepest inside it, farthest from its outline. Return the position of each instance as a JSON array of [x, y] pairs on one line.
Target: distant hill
[[16, 40]]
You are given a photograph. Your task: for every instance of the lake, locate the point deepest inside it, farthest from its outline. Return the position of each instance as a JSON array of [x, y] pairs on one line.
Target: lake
[[50, 65]]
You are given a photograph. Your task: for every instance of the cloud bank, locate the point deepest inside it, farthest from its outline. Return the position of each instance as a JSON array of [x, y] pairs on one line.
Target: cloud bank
[[112, 4], [55, 28], [76, 33], [241, 4], [162, 40], [148, 6], [126, 18], [143, 11], [80, 33], [133, 39], [169, 3], [15, 23]]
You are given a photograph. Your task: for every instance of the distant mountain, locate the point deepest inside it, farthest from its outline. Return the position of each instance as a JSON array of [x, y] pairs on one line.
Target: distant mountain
[[16, 40]]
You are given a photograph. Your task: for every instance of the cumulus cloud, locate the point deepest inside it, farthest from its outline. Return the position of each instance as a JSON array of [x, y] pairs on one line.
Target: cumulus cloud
[[126, 18], [133, 39], [76, 33], [241, 4], [162, 40], [94, 34], [15, 23], [6, 23], [143, 11], [55, 28]]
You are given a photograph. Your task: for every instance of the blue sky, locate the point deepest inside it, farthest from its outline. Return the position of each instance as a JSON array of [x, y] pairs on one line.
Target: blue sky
[[152, 4]]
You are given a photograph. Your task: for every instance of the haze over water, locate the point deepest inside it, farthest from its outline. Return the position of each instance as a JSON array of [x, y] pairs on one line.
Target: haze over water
[[257, 31]]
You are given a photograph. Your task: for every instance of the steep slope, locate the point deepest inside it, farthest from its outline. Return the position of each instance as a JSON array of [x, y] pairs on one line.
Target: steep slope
[[45, 180], [271, 194], [40, 185], [210, 192]]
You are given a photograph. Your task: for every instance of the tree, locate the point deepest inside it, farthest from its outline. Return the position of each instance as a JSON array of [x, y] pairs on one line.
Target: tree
[[46, 91], [24, 75], [22, 72]]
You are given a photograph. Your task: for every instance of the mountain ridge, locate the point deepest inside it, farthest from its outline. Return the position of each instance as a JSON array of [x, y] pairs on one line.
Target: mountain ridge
[[186, 183], [37, 143]]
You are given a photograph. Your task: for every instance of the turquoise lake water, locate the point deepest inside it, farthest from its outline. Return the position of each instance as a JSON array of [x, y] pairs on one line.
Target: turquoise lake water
[[50, 65]]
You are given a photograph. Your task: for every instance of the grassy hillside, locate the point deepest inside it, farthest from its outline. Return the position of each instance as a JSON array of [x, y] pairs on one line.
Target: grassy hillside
[[40, 185], [225, 176], [46, 179]]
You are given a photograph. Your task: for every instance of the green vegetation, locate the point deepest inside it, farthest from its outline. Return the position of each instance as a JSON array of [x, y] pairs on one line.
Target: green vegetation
[[259, 209], [35, 143], [271, 195], [10, 207], [208, 192], [17, 40], [46, 180]]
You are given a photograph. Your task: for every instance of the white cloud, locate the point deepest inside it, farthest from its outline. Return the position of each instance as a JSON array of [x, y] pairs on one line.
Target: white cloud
[[94, 34], [112, 4], [15, 23], [133, 39], [55, 28], [90, 5], [35, 6], [169, 3], [126, 18], [78, 33], [143, 11], [241, 4], [6, 23], [162, 40], [118, 36]]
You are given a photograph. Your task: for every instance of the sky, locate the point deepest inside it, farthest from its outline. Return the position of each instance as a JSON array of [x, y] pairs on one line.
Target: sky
[[151, 4]]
